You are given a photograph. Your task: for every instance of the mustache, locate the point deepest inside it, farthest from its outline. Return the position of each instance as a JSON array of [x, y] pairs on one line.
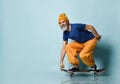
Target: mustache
[[64, 28]]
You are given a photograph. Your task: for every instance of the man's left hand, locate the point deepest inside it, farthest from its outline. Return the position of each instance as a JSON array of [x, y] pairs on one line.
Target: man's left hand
[[98, 37]]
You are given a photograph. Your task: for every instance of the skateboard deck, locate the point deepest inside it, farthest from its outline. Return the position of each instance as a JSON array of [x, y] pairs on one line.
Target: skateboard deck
[[95, 73]]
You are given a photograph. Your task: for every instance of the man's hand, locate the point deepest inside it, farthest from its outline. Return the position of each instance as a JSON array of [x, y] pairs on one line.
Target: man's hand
[[98, 37], [93, 30], [62, 65]]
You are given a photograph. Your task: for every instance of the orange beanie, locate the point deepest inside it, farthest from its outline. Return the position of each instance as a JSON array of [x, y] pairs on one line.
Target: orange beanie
[[63, 17]]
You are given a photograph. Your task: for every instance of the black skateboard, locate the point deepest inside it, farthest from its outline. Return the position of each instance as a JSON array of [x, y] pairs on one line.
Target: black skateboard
[[95, 73]]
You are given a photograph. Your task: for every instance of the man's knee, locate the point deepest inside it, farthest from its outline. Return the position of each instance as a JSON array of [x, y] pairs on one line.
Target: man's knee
[[67, 47], [82, 55]]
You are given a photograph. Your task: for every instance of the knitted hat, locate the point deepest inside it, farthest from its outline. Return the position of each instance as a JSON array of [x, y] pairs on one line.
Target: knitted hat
[[63, 17]]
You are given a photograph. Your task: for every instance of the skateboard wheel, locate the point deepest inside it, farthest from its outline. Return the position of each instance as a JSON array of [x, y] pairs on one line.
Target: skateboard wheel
[[71, 75], [95, 75]]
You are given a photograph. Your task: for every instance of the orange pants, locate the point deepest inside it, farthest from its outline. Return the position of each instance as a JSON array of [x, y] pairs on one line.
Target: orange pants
[[85, 51]]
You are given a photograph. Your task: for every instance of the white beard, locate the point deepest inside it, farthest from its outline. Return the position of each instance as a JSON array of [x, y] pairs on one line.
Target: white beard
[[64, 28]]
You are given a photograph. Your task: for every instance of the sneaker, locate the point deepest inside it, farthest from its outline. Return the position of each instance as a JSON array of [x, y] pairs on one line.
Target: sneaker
[[94, 68], [73, 69]]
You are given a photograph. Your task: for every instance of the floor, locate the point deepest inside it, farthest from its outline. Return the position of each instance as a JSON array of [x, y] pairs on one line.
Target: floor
[[50, 77]]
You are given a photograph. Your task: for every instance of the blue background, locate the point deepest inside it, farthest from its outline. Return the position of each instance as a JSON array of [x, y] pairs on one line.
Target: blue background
[[31, 40]]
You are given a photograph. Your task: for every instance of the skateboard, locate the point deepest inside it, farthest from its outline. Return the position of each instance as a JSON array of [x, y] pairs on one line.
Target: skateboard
[[95, 73]]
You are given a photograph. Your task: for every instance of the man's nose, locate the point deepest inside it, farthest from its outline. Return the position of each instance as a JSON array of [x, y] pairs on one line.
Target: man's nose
[[62, 24]]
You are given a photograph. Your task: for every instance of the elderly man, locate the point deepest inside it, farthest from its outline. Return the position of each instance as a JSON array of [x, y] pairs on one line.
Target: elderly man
[[85, 40]]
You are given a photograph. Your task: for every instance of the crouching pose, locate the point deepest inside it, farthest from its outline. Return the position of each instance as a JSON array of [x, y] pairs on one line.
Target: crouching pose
[[85, 40]]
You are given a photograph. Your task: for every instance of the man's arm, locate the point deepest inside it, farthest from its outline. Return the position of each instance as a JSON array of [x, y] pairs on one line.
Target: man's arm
[[93, 30], [63, 52]]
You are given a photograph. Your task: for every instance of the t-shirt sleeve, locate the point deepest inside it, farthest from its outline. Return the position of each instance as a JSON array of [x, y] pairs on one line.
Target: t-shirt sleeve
[[65, 37], [81, 26]]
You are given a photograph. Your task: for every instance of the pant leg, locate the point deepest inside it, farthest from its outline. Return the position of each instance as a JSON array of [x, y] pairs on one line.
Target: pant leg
[[86, 54], [72, 51]]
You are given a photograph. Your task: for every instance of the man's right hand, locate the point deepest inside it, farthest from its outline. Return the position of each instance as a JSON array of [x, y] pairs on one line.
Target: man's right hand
[[62, 65]]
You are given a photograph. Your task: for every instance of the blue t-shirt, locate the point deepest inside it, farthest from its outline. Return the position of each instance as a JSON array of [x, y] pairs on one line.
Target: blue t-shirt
[[78, 33]]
